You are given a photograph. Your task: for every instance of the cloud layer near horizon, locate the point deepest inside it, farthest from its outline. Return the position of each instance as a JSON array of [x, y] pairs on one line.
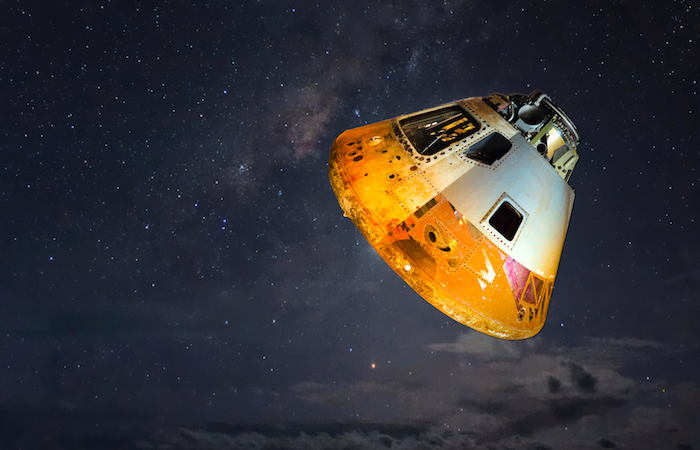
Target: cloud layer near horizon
[[482, 393]]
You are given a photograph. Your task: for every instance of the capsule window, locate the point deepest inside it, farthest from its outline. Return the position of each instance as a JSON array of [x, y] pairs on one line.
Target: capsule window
[[436, 130], [490, 149], [506, 220]]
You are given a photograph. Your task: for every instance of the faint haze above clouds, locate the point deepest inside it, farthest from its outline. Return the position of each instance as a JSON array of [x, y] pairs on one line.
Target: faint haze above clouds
[[482, 393]]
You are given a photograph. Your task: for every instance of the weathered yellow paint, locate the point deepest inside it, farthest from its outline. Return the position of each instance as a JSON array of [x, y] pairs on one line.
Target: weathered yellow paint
[[407, 205], [380, 188]]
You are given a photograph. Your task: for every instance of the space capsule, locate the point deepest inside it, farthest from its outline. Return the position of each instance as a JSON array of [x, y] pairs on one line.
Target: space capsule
[[468, 202]]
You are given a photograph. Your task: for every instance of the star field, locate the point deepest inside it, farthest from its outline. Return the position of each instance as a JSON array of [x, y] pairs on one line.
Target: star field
[[173, 254]]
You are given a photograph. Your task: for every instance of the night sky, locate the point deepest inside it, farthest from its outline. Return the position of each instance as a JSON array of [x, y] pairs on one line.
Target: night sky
[[176, 271]]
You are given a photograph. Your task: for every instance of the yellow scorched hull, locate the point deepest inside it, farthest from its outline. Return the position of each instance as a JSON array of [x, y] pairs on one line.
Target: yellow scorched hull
[[440, 254]]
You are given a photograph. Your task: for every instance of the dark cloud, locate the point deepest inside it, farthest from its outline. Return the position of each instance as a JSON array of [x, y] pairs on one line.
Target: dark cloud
[[583, 380], [301, 436], [530, 394], [484, 346], [606, 443], [553, 385], [534, 395], [574, 408]]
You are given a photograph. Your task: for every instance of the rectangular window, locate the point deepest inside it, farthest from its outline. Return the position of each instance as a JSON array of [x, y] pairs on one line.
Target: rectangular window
[[506, 220], [490, 149], [434, 131]]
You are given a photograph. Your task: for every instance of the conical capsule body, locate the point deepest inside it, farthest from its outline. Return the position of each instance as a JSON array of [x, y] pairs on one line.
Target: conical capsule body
[[468, 202]]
